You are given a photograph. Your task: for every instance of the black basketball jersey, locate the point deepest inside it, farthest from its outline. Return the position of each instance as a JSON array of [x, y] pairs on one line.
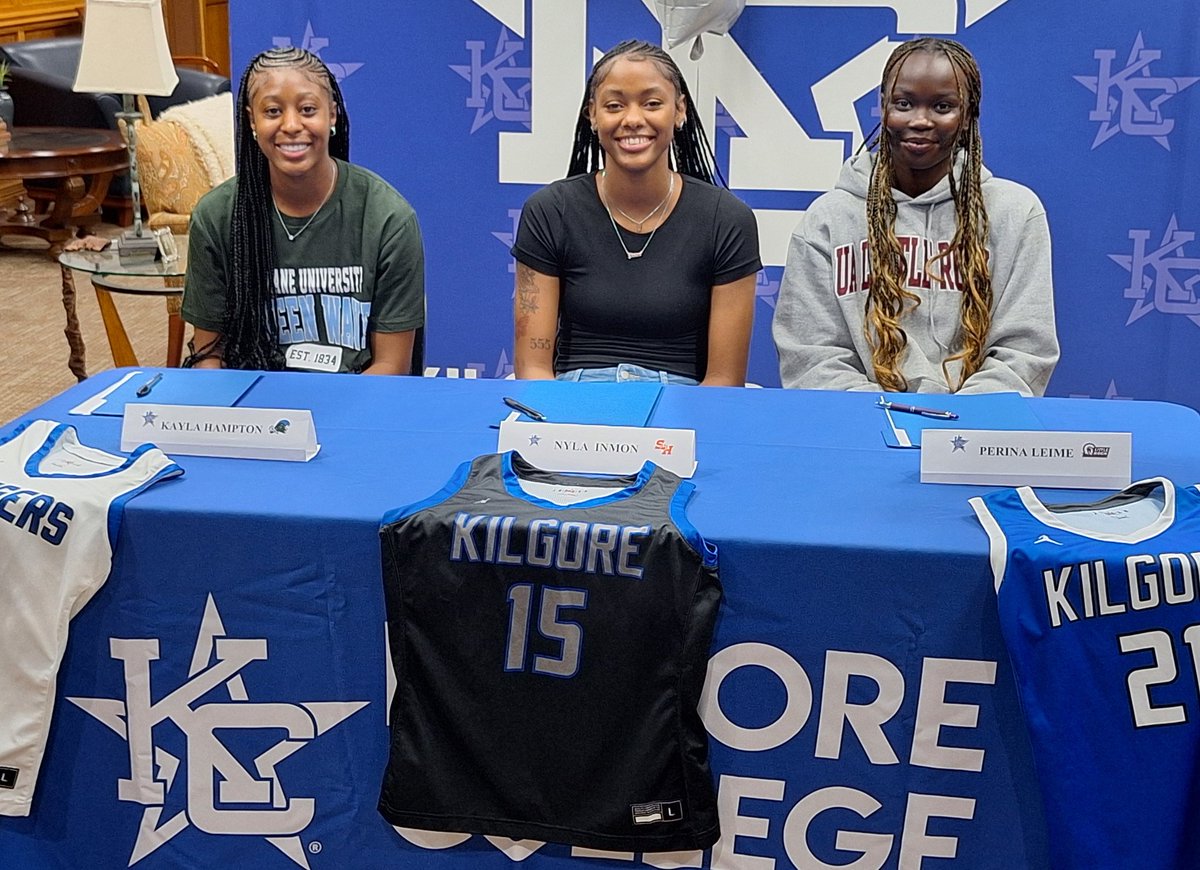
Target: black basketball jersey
[[550, 659]]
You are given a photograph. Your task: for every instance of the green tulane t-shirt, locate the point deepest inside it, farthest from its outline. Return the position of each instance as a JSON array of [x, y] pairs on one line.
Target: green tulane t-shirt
[[358, 268]]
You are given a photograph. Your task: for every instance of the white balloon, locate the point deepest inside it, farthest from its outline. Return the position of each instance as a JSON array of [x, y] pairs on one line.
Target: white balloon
[[684, 19]]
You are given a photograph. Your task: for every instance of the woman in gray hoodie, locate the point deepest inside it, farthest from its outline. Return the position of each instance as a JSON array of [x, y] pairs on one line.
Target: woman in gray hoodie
[[921, 271]]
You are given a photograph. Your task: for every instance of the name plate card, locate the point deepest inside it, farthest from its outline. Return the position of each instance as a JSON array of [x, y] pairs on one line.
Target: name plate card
[[1067, 460], [601, 449], [239, 433]]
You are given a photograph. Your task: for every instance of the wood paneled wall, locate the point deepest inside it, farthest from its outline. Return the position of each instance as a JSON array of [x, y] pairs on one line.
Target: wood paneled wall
[[38, 19], [199, 27], [193, 26]]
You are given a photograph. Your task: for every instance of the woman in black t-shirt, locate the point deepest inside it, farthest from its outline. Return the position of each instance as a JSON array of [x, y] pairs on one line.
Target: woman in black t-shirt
[[628, 269]]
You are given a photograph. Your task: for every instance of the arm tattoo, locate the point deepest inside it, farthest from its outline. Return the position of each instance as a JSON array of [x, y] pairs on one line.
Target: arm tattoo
[[527, 298], [527, 292]]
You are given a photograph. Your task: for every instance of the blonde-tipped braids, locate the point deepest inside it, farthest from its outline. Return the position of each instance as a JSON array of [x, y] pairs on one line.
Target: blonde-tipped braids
[[889, 299]]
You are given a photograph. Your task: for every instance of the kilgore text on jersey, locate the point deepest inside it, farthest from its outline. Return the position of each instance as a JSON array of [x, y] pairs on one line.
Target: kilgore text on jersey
[[595, 548]]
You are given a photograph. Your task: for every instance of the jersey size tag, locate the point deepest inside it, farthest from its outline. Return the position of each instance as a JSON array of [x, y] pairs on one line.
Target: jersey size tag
[[60, 462], [566, 495], [657, 811], [314, 357], [8, 777]]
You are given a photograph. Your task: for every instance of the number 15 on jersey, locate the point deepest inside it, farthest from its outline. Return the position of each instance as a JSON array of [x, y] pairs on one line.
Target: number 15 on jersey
[[522, 601]]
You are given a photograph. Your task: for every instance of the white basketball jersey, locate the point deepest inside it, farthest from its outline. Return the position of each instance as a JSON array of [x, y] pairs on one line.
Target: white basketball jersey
[[60, 507]]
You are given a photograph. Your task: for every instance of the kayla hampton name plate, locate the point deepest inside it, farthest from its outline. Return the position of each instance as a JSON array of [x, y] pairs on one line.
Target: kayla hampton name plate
[[239, 433], [601, 449], [1068, 460]]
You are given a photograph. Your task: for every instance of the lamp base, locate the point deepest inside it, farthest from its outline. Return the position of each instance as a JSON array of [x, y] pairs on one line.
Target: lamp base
[[132, 248]]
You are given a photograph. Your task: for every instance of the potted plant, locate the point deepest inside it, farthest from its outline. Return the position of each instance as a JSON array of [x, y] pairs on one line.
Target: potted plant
[[6, 102]]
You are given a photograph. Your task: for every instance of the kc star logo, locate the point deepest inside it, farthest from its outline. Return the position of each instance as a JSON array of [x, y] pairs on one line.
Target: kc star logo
[[311, 42], [222, 794], [1130, 100], [1174, 286], [500, 88]]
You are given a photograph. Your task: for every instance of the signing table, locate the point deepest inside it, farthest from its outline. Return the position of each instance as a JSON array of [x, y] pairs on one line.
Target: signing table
[[223, 698]]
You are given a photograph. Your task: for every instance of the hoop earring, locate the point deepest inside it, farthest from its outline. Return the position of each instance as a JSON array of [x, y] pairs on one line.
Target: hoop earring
[[254, 135], [333, 129]]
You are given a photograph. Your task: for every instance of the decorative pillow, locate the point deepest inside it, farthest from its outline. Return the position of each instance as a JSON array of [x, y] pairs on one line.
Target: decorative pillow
[[209, 123], [172, 175], [184, 154]]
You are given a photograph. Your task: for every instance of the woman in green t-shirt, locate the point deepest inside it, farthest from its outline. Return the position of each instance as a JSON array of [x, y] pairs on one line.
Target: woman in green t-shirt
[[303, 260]]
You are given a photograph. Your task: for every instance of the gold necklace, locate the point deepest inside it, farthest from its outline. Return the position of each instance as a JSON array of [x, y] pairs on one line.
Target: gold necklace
[[633, 255], [293, 236]]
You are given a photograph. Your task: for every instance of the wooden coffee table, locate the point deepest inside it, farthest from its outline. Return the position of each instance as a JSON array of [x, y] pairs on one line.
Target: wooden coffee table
[[81, 162]]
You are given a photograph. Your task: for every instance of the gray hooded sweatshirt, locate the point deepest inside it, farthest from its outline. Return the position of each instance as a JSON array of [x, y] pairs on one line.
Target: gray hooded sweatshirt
[[818, 326]]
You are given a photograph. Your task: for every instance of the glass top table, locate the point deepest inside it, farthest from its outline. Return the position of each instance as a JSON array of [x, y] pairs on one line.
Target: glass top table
[[142, 278], [107, 263]]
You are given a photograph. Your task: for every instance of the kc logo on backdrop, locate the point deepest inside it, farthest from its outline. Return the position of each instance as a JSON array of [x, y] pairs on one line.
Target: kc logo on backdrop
[[310, 42], [249, 797], [499, 87], [1130, 100], [1163, 279]]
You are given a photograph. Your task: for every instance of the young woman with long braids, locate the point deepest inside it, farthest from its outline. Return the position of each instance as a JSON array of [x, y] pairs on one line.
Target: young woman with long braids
[[630, 268], [303, 260], [921, 271]]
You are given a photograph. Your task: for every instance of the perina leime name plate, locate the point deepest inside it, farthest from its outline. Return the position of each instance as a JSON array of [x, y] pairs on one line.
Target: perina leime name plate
[[1068, 460]]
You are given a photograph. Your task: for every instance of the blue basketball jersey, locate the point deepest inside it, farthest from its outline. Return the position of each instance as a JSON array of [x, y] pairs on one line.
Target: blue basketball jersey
[[1098, 607]]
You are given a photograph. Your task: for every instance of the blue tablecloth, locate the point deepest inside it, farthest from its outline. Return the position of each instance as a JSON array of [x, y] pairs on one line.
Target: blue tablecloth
[[222, 699]]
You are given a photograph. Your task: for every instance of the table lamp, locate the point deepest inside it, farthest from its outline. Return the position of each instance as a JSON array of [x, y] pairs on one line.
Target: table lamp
[[125, 52]]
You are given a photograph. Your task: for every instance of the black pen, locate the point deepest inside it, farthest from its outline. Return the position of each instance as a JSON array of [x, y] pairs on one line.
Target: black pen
[[936, 413], [144, 389], [525, 409]]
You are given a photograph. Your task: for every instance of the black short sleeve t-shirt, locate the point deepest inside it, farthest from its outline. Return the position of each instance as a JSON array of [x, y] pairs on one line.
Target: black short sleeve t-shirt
[[652, 311]]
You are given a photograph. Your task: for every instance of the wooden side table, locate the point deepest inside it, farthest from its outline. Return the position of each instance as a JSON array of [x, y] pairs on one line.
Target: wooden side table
[[81, 162], [109, 275]]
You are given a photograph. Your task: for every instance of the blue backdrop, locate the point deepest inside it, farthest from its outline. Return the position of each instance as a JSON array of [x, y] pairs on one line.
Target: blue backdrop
[[467, 107]]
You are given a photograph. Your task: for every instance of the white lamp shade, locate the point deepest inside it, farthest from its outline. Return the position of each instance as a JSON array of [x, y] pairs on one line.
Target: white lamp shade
[[125, 49]]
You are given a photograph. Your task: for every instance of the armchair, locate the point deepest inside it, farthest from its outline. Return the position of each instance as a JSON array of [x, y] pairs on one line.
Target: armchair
[[46, 67]]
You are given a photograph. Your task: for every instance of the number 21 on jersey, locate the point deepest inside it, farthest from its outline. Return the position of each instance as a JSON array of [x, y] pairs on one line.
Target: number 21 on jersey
[[1164, 670]]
